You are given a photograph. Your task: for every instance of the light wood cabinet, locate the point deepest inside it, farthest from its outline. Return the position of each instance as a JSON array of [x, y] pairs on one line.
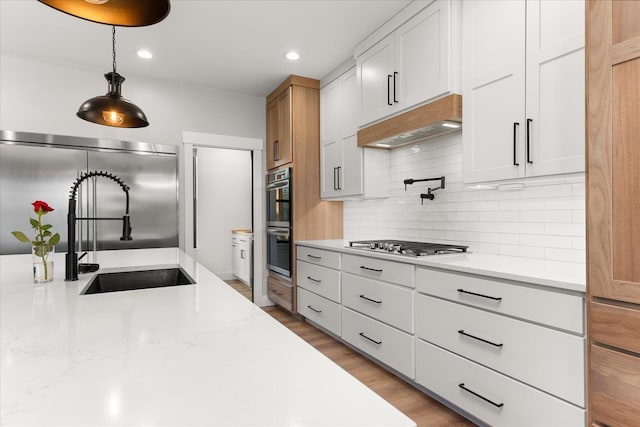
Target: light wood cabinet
[[411, 65], [613, 222], [279, 141], [523, 113], [347, 170], [312, 218]]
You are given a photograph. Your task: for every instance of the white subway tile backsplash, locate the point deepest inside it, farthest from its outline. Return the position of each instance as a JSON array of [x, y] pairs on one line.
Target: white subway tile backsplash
[[570, 255], [565, 229], [544, 222], [546, 216]]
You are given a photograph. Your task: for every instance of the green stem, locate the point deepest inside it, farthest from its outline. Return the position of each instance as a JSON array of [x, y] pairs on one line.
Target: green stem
[[43, 251]]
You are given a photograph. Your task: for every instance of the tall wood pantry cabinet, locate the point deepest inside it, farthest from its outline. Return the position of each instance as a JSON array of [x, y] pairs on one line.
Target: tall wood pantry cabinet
[[613, 211], [293, 140]]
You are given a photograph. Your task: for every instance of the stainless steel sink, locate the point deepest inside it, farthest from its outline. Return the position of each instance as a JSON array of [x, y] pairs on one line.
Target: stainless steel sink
[[141, 279]]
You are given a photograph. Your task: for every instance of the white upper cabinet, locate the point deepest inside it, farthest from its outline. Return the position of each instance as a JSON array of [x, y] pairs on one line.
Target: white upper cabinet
[[342, 161], [409, 66], [523, 89]]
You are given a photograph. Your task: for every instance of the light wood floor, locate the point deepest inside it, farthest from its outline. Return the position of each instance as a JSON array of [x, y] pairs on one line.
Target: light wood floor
[[413, 403], [241, 288]]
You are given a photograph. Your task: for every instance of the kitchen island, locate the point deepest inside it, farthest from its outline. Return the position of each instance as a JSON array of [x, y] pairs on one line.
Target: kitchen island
[[183, 355]]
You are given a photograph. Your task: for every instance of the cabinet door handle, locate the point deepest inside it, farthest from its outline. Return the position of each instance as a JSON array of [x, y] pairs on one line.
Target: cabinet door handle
[[515, 137], [314, 280], [462, 332], [339, 185], [395, 73], [241, 253], [371, 269], [529, 140], [497, 405], [275, 150], [370, 339], [389, 76], [462, 291], [335, 185], [314, 256], [369, 299], [277, 293], [313, 309]]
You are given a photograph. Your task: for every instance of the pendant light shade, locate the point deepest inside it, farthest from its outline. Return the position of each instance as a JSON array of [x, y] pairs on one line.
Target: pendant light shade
[[123, 13], [112, 109]]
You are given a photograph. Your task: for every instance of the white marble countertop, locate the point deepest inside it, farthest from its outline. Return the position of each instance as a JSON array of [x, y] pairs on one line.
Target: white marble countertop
[[556, 274], [183, 355]]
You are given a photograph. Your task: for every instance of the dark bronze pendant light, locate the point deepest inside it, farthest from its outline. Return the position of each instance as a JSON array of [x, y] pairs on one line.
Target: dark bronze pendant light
[[123, 13], [112, 109]]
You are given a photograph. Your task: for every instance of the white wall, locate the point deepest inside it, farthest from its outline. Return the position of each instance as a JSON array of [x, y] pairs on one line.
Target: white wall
[[224, 204], [43, 97], [544, 221]]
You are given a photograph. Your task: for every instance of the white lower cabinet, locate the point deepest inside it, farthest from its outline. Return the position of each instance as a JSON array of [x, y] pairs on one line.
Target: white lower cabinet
[[388, 303], [319, 310], [545, 358], [508, 353], [389, 345], [492, 397]]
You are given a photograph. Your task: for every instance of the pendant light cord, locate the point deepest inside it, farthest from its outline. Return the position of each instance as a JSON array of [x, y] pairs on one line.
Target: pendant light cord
[[113, 44]]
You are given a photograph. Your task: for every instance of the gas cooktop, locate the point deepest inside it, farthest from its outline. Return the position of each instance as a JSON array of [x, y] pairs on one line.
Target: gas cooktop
[[402, 247]]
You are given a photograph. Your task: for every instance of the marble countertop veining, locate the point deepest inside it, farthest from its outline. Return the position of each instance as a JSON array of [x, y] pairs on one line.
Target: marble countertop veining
[[556, 274], [184, 355]]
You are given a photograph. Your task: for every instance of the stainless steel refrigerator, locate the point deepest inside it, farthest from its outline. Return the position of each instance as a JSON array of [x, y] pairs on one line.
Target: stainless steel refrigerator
[[44, 167]]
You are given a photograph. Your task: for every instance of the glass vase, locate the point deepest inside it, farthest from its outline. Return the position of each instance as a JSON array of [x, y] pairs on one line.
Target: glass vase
[[42, 257]]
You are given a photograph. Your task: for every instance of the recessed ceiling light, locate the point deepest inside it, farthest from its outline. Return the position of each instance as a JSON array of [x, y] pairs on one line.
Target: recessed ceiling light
[[144, 53], [292, 56]]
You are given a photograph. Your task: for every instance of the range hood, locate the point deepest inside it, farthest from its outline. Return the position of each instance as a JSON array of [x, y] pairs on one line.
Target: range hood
[[431, 120]]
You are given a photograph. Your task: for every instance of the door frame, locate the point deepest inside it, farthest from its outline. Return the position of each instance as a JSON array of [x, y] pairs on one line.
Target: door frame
[[192, 140]]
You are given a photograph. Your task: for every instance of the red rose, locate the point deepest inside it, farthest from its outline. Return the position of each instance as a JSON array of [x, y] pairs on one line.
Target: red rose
[[40, 205]]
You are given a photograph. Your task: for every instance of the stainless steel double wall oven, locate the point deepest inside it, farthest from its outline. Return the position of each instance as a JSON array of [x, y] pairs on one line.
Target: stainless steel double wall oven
[[279, 221]]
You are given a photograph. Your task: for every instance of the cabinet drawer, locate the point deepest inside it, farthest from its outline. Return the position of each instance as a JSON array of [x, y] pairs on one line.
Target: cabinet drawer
[[375, 268], [280, 293], [319, 310], [616, 326], [550, 308], [545, 358], [389, 345], [615, 387], [320, 280], [319, 256], [443, 372], [388, 303]]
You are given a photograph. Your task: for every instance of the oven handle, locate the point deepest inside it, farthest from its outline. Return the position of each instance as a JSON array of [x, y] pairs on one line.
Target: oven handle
[[278, 184], [276, 232]]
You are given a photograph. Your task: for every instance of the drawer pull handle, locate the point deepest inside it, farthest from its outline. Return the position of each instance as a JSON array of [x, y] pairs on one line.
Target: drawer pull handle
[[371, 269], [370, 339], [313, 309], [314, 280], [277, 293], [497, 405], [314, 256], [462, 332], [369, 299], [462, 291]]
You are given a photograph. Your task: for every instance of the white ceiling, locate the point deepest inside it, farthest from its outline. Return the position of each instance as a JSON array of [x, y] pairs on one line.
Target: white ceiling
[[237, 46]]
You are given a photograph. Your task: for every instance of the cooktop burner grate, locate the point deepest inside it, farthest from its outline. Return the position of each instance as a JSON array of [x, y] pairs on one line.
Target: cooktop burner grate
[[407, 248]]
